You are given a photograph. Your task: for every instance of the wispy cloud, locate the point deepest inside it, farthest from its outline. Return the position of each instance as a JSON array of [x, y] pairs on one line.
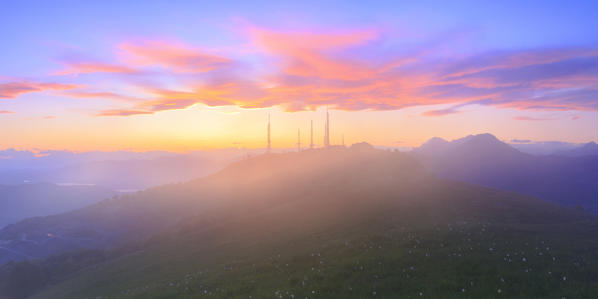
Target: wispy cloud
[[531, 118], [312, 54], [6, 112], [117, 112], [89, 67], [441, 112], [82, 94], [11, 90], [170, 55]]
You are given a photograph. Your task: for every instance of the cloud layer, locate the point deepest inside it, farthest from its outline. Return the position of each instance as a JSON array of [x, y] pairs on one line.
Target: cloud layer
[[342, 69], [11, 90]]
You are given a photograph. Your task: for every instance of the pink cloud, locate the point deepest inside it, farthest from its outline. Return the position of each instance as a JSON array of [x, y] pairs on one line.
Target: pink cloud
[[515, 59], [164, 99], [12, 90], [440, 112], [99, 95], [75, 68], [170, 55], [169, 104], [309, 54], [531, 118], [6, 112], [132, 56], [124, 112]]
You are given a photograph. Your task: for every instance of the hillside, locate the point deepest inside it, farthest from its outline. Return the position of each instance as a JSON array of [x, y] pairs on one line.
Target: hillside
[[22, 201], [484, 160], [103, 225], [346, 223]]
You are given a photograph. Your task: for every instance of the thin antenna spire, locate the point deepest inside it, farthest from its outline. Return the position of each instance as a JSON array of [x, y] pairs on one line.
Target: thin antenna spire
[[343, 140], [324, 141], [327, 130], [269, 145], [311, 136], [298, 140]]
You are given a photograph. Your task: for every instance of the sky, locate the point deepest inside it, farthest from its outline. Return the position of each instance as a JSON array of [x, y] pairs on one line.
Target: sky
[[195, 75]]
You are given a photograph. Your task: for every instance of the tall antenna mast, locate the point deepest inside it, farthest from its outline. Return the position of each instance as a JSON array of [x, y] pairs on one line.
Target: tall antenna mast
[[327, 130], [269, 145], [311, 137], [324, 141], [343, 140], [298, 140]]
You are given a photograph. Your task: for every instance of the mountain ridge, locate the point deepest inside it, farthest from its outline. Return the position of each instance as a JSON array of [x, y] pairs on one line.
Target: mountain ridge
[[488, 162], [587, 149]]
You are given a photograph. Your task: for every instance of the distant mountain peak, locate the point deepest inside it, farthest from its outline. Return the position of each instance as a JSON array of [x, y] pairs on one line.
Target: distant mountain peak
[[362, 146], [590, 146], [482, 137], [480, 145], [484, 142], [433, 146], [587, 149], [435, 141], [487, 135]]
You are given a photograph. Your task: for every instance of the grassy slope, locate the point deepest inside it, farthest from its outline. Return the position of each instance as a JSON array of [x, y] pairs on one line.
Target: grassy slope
[[365, 231]]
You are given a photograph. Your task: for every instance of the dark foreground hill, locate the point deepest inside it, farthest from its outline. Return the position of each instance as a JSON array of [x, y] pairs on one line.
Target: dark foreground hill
[[484, 160], [339, 223]]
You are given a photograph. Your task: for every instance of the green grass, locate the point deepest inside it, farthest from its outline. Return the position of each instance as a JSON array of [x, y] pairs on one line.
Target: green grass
[[385, 258]]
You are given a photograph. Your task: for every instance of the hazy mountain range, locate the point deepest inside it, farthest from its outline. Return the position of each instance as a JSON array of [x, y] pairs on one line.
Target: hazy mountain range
[[480, 159], [261, 203], [588, 149], [554, 147], [116, 170], [348, 223], [569, 178]]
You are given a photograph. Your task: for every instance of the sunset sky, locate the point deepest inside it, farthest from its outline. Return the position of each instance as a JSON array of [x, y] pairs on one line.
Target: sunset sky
[[180, 76]]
